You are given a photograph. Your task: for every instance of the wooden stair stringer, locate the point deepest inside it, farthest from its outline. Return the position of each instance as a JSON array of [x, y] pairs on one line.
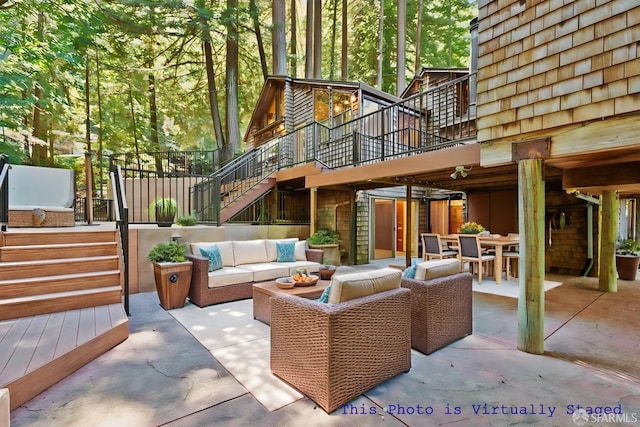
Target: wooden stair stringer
[[246, 199]]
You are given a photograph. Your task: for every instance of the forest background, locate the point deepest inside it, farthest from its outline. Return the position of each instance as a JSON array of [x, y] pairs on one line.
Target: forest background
[[116, 76]]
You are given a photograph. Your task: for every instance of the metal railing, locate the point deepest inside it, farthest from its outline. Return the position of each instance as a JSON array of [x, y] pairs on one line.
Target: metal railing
[[121, 212], [4, 191], [103, 209], [190, 162], [438, 118]]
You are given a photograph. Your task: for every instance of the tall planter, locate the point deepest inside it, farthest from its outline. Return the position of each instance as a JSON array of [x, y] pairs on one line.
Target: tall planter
[[627, 266], [172, 283], [331, 253]]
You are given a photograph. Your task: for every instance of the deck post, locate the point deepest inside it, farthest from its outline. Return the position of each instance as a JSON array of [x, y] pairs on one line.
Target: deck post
[[607, 273], [408, 229], [531, 274], [313, 210]]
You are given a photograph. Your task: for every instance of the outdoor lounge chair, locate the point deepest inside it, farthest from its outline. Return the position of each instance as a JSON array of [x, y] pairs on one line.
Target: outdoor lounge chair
[[334, 352], [441, 310]]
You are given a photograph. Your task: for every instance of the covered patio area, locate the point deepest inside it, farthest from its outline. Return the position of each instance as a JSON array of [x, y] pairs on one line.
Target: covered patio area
[[163, 375]]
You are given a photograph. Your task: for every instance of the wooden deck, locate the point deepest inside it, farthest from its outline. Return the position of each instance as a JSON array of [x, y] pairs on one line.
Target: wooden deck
[[38, 351], [60, 306]]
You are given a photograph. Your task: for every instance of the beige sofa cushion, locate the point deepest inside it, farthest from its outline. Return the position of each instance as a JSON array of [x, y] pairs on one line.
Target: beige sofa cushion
[[346, 287], [249, 252], [300, 251], [225, 248], [272, 250], [437, 268]]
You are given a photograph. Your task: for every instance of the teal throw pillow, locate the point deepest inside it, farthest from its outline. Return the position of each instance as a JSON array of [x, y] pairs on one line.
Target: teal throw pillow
[[325, 295], [410, 272], [286, 251], [213, 254]]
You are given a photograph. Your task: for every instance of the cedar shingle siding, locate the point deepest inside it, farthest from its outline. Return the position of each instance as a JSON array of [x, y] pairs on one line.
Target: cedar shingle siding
[[547, 64]]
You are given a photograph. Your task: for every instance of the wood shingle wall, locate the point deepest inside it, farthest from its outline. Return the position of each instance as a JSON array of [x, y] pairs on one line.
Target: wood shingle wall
[[547, 64]]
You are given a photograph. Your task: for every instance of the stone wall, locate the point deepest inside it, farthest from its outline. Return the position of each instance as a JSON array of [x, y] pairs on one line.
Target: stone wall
[[334, 213], [566, 249]]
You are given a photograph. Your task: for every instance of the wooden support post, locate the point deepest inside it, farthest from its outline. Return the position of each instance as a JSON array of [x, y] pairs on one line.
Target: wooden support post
[[313, 210], [531, 265], [607, 273], [408, 229]]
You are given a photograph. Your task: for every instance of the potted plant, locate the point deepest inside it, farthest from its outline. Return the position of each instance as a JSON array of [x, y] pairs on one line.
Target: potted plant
[[172, 272], [164, 209], [471, 227], [328, 241], [628, 259], [187, 220]]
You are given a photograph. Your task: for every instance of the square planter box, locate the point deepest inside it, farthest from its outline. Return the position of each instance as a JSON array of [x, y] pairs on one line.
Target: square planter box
[[173, 280]]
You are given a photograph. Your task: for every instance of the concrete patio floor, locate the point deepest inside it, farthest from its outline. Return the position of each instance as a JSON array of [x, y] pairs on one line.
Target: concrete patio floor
[[161, 375]]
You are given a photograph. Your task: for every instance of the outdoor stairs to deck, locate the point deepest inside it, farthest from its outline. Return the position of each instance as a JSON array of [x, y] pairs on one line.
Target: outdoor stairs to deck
[[60, 305], [244, 198]]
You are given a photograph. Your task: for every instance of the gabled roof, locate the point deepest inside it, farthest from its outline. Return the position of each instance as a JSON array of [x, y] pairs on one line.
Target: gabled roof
[[272, 83]]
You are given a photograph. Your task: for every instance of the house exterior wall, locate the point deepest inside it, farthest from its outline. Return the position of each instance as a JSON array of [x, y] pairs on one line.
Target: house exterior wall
[[544, 65]]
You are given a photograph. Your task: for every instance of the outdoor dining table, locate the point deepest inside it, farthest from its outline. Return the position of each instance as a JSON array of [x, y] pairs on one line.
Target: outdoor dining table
[[496, 244]]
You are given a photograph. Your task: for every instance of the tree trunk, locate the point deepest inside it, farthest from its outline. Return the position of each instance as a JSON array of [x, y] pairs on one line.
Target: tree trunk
[[402, 47], [133, 124], [380, 45], [334, 22], [294, 41], [253, 10], [279, 43], [38, 152], [308, 64], [345, 32], [233, 125], [317, 39], [99, 124], [211, 84], [417, 66]]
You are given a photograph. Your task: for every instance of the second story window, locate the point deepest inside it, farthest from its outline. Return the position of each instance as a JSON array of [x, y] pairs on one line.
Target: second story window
[[332, 107]]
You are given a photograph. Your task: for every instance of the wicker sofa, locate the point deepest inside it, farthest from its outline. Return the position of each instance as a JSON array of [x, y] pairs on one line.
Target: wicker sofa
[[441, 309], [335, 352], [244, 262]]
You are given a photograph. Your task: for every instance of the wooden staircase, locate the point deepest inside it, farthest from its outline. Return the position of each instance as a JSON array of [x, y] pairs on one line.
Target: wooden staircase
[[60, 305], [243, 198]]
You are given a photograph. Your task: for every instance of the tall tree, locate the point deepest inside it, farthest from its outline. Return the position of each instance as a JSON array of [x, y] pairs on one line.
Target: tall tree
[[233, 122], [317, 39], [308, 65], [255, 16], [278, 42], [402, 46]]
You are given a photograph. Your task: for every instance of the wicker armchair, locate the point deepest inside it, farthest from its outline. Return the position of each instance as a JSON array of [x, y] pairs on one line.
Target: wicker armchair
[[335, 352], [441, 310]]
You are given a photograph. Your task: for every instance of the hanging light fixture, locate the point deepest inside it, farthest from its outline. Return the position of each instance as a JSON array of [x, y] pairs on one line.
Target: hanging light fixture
[[463, 171]]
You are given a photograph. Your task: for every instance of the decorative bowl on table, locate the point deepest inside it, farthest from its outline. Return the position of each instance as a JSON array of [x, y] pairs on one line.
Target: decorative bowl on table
[[285, 283], [304, 280]]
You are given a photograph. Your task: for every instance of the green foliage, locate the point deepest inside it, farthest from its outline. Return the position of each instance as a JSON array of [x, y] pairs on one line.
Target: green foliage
[[471, 228], [164, 209], [187, 221], [629, 247], [324, 237], [168, 252]]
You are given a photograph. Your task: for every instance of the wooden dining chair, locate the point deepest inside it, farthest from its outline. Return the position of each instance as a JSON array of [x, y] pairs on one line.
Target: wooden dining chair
[[432, 247], [510, 255], [510, 259], [471, 252]]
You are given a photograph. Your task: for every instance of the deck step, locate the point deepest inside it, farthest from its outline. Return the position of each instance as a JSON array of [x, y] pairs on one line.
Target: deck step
[[33, 305], [25, 269], [56, 251], [83, 235], [38, 351], [64, 282]]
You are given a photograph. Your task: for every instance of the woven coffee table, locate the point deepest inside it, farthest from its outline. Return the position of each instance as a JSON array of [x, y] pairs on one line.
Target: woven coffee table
[[262, 293]]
